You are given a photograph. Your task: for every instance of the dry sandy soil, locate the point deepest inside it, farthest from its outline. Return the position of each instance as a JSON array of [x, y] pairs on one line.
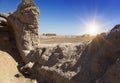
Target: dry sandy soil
[[9, 72], [64, 39]]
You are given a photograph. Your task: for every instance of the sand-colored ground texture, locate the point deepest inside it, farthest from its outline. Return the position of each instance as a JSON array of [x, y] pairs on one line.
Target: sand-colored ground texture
[[9, 72], [65, 39]]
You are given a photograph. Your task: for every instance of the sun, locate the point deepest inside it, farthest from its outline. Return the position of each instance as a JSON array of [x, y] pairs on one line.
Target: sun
[[92, 25], [92, 28]]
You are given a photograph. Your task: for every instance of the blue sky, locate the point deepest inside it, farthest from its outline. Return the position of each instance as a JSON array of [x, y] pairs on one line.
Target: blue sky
[[69, 17]]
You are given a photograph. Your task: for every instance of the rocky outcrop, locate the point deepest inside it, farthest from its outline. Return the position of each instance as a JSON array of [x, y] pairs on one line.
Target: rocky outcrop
[[95, 61], [101, 56], [24, 23], [55, 63], [112, 75]]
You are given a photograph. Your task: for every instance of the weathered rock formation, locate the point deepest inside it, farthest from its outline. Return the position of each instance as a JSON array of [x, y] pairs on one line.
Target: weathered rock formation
[[99, 58], [97, 61], [24, 23]]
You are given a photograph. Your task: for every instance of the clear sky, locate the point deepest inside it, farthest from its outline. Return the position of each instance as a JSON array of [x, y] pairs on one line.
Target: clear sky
[[70, 17]]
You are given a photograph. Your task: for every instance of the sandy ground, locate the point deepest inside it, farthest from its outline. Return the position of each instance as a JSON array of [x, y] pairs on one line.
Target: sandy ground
[[8, 70], [64, 39]]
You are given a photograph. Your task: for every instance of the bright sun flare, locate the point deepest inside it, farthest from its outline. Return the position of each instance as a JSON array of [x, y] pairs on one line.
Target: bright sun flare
[[92, 25], [92, 28]]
